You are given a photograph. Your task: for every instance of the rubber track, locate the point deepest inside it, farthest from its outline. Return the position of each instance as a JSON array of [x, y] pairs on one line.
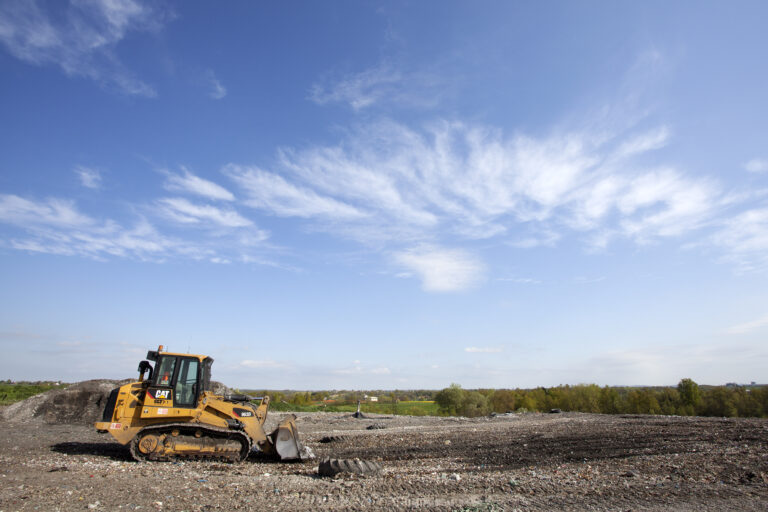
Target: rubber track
[[221, 433]]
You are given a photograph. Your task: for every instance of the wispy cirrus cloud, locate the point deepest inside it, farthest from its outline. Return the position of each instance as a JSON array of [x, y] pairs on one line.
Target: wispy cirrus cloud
[[441, 269], [185, 211], [57, 226], [89, 178], [49, 212], [757, 165], [383, 83], [79, 36], [217, 90], [271, 192], [192, 184], [744, 239], [386, 184]]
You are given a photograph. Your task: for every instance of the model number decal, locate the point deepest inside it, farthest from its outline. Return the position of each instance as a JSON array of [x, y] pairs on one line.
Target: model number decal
[[242, 413]]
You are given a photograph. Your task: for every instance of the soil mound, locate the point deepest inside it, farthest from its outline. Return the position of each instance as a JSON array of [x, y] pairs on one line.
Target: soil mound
[[77, 404], [81, 403]]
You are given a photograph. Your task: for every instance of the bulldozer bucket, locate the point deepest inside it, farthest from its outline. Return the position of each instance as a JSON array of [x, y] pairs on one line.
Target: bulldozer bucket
[[285, 439]]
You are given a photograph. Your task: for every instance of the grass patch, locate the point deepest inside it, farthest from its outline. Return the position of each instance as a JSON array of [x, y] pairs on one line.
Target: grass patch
[[18, 391]]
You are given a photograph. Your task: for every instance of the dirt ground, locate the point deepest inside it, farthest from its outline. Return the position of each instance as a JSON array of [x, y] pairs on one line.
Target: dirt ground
[[565, 461]]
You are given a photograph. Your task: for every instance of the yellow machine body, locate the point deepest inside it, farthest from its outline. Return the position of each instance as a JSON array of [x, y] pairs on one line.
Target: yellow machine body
[[173, 414]]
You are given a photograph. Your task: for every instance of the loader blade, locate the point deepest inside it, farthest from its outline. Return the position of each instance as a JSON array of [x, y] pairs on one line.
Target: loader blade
[[285, 439]]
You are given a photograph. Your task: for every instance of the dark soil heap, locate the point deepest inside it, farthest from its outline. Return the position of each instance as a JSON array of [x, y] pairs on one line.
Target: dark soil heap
[[77, 404], [81, 403]]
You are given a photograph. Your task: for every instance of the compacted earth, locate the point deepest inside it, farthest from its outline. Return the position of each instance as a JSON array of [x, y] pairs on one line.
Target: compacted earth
[[567, 461]]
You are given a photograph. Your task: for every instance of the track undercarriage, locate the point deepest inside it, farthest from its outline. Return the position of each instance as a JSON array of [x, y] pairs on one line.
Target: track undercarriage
[[184, 441]]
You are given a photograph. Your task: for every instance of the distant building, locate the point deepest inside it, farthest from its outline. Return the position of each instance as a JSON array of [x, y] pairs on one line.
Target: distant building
[[373, 398]]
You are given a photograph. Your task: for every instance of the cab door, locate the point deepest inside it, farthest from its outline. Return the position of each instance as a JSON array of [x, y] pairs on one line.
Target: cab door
[[186, 389], [159, 399]]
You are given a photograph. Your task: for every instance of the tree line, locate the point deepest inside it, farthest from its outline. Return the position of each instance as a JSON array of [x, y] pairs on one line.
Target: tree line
[[687, 399]]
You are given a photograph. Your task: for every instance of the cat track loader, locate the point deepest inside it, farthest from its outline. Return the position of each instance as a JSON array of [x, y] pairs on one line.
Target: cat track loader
[[173, 414]]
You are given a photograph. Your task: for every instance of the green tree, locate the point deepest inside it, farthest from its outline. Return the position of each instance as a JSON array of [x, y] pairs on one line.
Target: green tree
[[584, 398], [609, 400], [449, 400], [668, 398], [690, 396], [502, 400], [474, 404], [642, 401], [719, 402]]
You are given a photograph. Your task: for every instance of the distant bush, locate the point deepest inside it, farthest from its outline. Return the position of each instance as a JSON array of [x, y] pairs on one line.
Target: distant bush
[[687, 399]]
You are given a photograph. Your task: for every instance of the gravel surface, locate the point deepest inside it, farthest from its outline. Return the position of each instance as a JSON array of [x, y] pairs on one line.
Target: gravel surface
[[567, 461]]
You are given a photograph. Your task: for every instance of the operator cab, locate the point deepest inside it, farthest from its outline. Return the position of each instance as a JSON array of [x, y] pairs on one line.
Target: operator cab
[[186, 375]]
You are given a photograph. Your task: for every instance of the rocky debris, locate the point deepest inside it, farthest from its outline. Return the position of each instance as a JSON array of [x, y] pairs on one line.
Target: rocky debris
[[220, 389], [332, 467], [532, 462], [376, 426]]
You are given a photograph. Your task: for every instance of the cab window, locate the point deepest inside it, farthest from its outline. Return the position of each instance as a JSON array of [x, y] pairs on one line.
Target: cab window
[[186, 384], [164, 373]]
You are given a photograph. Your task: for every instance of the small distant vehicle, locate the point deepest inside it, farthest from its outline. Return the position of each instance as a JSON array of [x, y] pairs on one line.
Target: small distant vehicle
[[173, 414]]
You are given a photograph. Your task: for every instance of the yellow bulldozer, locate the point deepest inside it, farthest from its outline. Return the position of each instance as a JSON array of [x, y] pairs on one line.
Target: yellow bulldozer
[[173, 414]]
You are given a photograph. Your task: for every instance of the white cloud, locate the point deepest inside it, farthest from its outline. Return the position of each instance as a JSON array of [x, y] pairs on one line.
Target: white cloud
[[390, 186], [89, 178], [98, 241], [80, 38], [484, 350], [190, 183], [382, 84], [56, 226], [218, 91], [472, 182], [645, 142], [381, 371], [185, 211], [744, 238], [757, 165], [52, 212], [359, 90], [440, 269], [749, 326], [271, 192]]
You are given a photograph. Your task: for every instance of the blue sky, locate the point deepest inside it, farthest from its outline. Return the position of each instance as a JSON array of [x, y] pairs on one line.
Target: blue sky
[[386, 195]]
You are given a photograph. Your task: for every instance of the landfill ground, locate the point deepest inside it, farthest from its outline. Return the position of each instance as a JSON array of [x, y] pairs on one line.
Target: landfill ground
[[567, 461]]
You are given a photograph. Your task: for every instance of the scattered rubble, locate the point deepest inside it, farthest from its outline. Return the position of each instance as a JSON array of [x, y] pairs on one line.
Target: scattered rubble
[[566, 461]]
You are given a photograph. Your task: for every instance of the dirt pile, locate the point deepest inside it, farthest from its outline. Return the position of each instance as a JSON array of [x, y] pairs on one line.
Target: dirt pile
[[80, 403]]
